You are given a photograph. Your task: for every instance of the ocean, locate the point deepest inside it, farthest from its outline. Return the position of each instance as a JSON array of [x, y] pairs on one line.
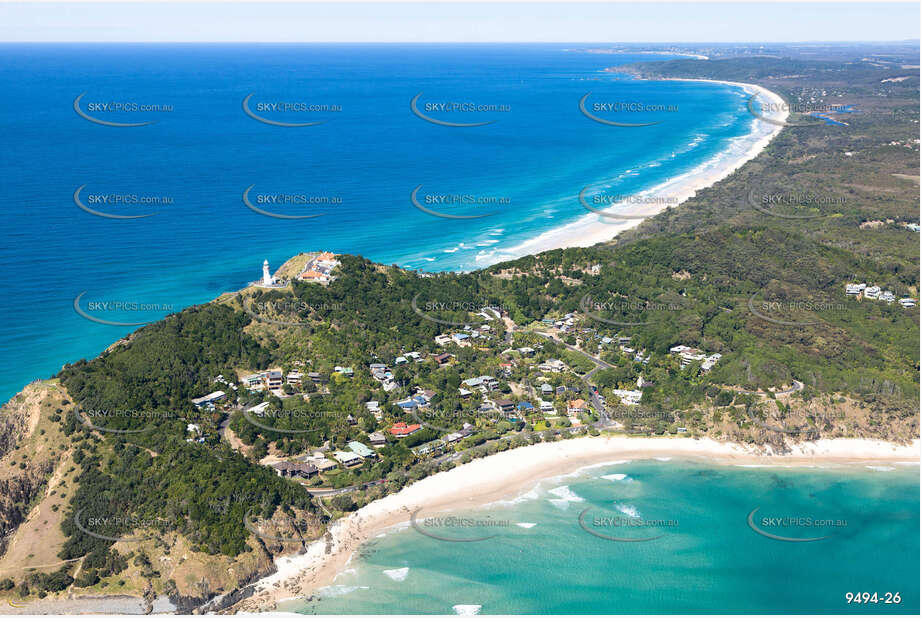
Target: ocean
[[563, 547], [357, 165]]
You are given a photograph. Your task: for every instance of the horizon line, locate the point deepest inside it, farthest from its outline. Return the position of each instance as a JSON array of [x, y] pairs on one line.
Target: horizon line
[[548, 42]]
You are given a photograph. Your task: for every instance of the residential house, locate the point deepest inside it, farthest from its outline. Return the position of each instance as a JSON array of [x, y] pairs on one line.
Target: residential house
[[907, 302], [709, 362], [377, 439], [273, 379], [291, 470], [505, 406], [294, 377], [577, 406], [209, 400], [318, 378], [482, 383], [374, 408], [553, 365], [361, 450], [413, 402], [259, 409], [347, 458], [434, 447], [872, 292], [854, 289], [629, 397], [322, 463], [687, 354], [401, 430], [254, 382], [443, 360]]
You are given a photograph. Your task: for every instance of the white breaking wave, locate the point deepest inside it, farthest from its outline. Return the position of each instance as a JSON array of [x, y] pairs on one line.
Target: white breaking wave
[[339, 590], [397, 575], [467, 610], [564, 497], [526, 525], [881, 468], [616, 477], [528, 495], [627, 509]]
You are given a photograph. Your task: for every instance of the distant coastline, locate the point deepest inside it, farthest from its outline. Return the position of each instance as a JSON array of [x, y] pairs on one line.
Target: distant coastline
[[592, 228], [512, 472]]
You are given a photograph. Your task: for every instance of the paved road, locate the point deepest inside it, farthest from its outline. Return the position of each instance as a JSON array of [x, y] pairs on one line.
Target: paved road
[[587, 378]]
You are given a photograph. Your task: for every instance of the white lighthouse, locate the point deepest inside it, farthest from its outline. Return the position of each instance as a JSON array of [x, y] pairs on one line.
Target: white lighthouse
[[266, 276]]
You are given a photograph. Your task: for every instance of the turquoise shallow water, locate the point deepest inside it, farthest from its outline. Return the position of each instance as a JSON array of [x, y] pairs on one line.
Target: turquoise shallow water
[[708, 558]]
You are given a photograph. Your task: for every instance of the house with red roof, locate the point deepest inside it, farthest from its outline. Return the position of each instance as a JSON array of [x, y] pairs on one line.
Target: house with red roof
[[401, 430]]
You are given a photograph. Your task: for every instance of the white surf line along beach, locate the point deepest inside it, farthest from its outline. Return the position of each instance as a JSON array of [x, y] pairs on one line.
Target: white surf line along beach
[[592, 228], [511, 473]]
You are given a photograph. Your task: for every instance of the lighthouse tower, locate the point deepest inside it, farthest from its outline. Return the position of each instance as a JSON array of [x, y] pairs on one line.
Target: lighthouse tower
[[266, 276]]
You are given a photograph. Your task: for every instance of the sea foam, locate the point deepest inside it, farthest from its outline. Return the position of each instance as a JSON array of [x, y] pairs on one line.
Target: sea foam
[[397, 575], [564, 497]]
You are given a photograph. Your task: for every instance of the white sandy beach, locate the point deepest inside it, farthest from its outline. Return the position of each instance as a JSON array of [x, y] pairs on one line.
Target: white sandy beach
[[515, 471], [592, 228]]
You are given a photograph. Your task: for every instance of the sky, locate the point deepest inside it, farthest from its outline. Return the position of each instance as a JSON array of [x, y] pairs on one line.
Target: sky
[[449, 22]]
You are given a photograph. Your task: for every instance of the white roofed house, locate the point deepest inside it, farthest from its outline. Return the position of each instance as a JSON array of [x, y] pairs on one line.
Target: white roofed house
[[347, 458], [907, 302], [872, 292], [254, 382], [854, 289], [258, 409], [552, 365], [687, 354], [208, 400], [710, 361], [628, 397], [887, 297]]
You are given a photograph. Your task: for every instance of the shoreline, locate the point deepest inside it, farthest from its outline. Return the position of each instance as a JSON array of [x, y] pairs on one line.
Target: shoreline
[[509, 473], [591, 228]]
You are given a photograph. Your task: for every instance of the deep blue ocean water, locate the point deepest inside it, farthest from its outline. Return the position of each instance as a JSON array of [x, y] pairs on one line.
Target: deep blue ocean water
[[365, 159], [707, 558]]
